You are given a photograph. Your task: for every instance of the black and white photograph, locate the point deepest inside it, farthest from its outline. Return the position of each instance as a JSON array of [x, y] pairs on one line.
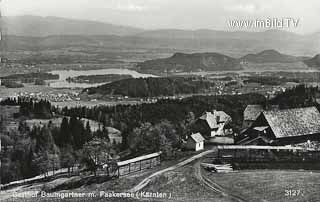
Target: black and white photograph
[[159, 100]]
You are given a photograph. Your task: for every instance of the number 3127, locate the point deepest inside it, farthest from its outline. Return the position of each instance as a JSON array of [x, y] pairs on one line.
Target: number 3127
[[293, 192]]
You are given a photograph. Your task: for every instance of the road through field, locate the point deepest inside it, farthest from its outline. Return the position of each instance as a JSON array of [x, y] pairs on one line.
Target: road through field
[[146, 181], [214, 186]]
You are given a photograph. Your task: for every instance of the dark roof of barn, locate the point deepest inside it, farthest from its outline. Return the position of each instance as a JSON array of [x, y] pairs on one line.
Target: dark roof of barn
[[293, 122], [252, 112]]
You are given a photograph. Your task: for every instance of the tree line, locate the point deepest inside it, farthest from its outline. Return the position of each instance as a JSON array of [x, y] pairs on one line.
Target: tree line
[[28, 152]]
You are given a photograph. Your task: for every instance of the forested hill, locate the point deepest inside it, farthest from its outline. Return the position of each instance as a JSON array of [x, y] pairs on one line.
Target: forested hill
[[181, 62], [152, 87], [270, 56]]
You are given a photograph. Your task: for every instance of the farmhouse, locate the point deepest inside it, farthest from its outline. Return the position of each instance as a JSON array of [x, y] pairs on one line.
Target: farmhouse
[[284, 127], [195, 142], [212, 124]]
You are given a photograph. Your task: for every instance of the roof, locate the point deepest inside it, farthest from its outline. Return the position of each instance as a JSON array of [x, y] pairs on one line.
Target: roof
[[221, 116], [213, 119], [210, 119], [140, 158], [197, 137], [293, 122], [261, 128], [252, 112]]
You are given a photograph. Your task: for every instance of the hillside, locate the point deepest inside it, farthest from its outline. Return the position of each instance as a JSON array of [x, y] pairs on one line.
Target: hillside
[[313, 62], [44, 26], [270, 56], [152, 87], [181, 62]]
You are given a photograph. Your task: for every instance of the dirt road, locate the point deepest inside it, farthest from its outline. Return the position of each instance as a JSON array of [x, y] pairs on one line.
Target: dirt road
[[214, 186], [146, 181]]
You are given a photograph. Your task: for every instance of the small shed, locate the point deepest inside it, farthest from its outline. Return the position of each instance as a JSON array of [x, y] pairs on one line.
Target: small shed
[[195, 142]]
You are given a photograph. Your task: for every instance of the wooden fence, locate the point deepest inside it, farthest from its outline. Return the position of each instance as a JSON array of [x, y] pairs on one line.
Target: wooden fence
[[132, 165]]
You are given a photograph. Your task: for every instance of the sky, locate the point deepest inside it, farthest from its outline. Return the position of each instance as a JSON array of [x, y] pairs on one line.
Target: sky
[[178, 14]]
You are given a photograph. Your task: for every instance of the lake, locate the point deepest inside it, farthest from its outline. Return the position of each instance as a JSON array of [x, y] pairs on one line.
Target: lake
[[64, 74]]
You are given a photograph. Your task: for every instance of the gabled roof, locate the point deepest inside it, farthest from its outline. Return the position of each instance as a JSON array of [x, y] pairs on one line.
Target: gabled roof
[[210, 119], [252, 112], [213, 119], [197, 137], [293, 122], [223, 117]]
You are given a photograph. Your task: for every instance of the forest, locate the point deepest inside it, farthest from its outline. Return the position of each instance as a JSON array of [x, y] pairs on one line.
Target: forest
[[153, 87]]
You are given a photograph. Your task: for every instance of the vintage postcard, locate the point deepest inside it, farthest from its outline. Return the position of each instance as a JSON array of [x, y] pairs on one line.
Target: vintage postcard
[[159, 100]]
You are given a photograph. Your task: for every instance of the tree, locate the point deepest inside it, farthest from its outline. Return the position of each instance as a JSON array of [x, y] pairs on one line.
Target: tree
[[88, 132], [168, 138], [150, 138], [186, 126], [67, 158], [64, 136], [96, 153]]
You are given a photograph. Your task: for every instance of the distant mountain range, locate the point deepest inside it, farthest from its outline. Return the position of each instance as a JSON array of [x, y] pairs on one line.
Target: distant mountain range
[[181, 62], [36, 26], [37, 33]]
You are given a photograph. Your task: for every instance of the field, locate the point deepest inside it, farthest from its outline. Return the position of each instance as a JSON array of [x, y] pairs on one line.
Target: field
[[184, 185], [270, 185]]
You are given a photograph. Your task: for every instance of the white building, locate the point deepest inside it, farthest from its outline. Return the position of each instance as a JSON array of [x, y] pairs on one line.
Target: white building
[[195, 142]]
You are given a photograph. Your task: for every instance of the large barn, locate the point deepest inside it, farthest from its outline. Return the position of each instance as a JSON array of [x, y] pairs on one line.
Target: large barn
[[284, 127]]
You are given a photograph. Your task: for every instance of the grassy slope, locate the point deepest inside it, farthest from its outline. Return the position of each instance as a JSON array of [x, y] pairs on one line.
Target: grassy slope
[[184, 186], [270, 185]]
